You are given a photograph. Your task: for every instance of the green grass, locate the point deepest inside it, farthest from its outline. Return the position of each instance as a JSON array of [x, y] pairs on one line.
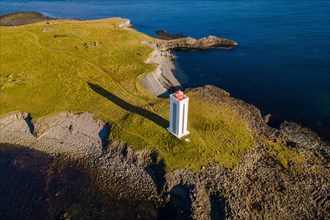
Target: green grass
[[285, 155], [95, 66]]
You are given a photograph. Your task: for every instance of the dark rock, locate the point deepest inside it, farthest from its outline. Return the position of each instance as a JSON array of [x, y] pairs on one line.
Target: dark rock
[[167, 36], [22, 18]]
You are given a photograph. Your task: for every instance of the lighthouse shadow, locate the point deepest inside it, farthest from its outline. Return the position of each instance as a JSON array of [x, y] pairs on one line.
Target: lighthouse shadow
[[129, 107]]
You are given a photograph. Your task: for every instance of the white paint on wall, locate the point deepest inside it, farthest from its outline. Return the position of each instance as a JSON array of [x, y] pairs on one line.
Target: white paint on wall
[[178, 114]]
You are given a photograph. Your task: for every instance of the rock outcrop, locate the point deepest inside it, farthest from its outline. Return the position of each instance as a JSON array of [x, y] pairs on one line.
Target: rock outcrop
[[113, 168], [77, 135], [192, 43], [167, 36], [23, 18]]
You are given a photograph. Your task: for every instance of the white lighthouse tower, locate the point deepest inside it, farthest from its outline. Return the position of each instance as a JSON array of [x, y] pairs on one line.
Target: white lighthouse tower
[[178, 114]]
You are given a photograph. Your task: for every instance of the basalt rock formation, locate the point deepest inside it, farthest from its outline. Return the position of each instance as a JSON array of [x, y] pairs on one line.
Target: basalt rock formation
[[191, 43]]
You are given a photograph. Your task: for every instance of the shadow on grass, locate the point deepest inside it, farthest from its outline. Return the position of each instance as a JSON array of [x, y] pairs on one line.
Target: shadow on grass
[[129, 107]]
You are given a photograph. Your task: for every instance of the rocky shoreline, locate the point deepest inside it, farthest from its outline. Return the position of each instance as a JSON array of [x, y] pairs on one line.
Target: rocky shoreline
[[260, 187], [167, 76]]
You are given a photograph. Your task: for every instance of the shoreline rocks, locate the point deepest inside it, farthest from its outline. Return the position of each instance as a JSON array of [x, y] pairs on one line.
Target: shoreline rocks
[[167, 36], [210, 42]]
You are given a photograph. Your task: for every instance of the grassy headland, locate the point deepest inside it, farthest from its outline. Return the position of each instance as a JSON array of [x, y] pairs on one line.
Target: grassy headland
[[96, 66]]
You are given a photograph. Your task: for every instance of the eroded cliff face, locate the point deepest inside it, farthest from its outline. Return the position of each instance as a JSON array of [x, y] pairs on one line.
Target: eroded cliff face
[[264, 185]]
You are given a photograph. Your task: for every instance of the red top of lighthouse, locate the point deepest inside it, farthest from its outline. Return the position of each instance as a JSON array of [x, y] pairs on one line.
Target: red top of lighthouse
[[179, 95]]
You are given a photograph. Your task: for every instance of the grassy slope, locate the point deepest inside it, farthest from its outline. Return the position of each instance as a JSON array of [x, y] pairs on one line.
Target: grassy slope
[[94, 66]]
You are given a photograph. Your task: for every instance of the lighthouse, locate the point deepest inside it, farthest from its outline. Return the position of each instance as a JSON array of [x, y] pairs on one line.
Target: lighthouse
[[178, 114]]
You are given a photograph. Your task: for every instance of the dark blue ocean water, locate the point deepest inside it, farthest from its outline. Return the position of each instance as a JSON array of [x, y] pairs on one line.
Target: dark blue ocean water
[[282, 62]]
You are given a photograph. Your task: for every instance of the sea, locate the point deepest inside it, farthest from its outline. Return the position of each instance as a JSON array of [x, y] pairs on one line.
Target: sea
[[282, 63]]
